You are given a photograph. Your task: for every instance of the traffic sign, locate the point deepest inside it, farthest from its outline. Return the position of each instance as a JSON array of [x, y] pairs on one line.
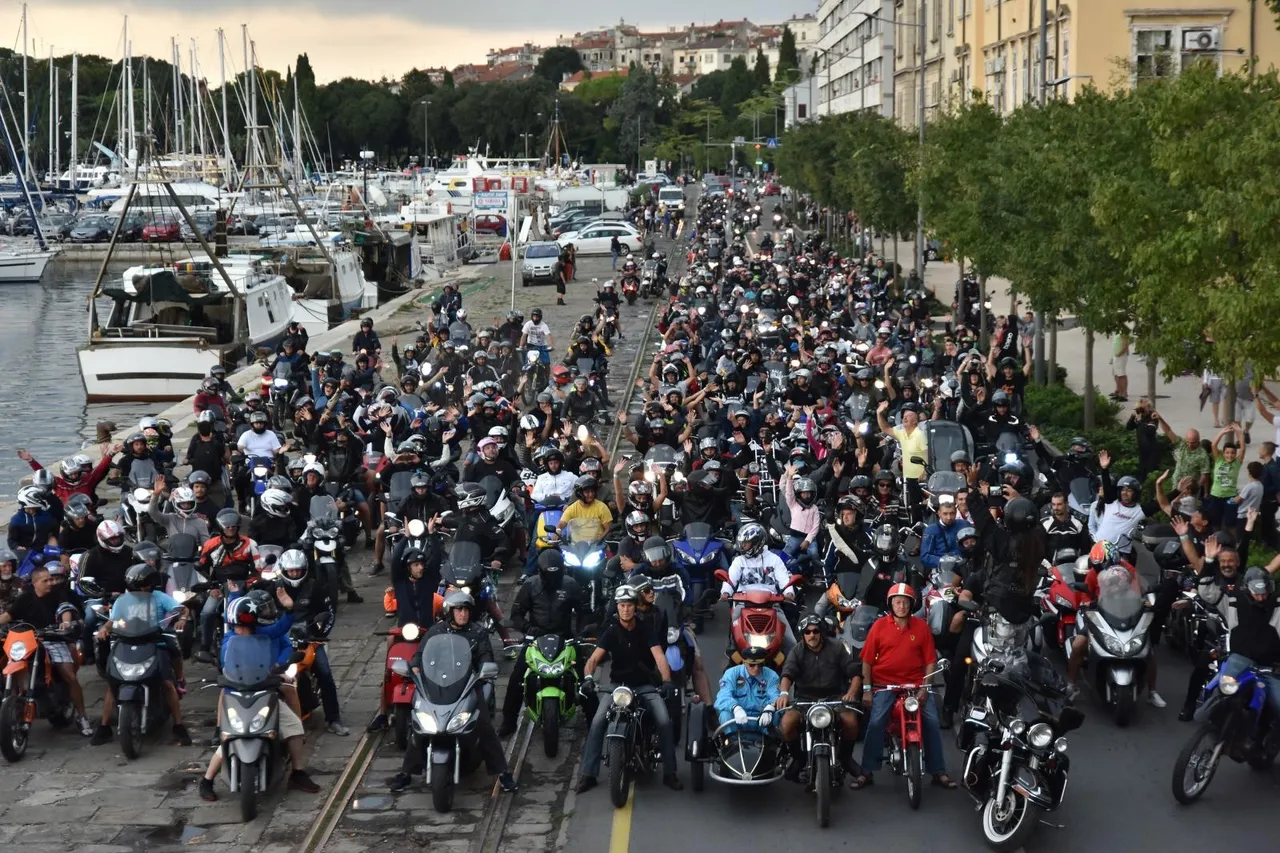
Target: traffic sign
[[771, 143], [738, 140], [759, 162]]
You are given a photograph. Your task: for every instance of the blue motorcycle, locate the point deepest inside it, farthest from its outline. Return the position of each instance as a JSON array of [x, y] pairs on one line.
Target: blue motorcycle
[[697, 555], [1230, 720]]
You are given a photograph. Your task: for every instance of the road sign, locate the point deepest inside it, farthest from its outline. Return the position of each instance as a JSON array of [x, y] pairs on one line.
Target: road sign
[[759, 162], [771, 143], [739, 139], [489, 200]]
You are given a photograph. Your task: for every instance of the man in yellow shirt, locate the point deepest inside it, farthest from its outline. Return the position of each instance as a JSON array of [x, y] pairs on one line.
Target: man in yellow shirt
[[592, 517], [911, 441]]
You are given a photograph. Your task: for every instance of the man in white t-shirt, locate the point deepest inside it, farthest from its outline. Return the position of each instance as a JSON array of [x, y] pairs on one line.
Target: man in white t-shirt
[[536, 334], [256, 442]]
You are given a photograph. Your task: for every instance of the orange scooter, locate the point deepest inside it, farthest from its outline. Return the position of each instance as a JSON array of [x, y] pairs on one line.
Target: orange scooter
[[31, 687]]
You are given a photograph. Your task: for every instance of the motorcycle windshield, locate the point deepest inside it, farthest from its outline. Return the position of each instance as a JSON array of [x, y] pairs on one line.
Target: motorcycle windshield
[[464, 558], [247, 659], [586, 366], [492, 491], [136, 615], [944, 438], [1119, 598], [182, 548], [549, 646], [661, 455], [1081, 492], [142, 473], [698, 535], [446, 668], [862, 620], [401, 485], [946, 483], [583, 534]]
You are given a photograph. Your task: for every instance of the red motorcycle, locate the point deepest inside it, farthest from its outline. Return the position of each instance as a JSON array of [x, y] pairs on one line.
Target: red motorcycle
[[759, 623], [1065, 597], [397, 684], [906, 734], [630, 290]]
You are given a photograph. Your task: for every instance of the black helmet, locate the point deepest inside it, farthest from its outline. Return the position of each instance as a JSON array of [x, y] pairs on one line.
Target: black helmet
[[1259, 581], [583, 484], [1019, 515], [471, 496], [862, 481], [1080, 446], [227, 518], [656, 550], [640, 582], [551, 567], [140, 575], [149, 553], [885, 539], [967, 533]]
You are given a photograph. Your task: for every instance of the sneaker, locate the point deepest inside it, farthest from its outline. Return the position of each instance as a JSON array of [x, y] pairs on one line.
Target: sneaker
[[337, 728], [182, 735], [203, 656], [206, 791], [87, 728], [353, 597], [101, 736], [1155, 700], [378, 568], [673, 782], [1073, 692], [400, 782], [586, 783], [377, 724], [300, 781], [508, 783]]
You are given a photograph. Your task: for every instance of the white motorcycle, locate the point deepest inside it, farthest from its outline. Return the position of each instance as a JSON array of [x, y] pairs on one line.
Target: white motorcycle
[[1118, 647]]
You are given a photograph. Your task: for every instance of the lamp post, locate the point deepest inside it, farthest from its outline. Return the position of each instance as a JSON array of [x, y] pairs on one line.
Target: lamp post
[[426, 129], [526, 144]]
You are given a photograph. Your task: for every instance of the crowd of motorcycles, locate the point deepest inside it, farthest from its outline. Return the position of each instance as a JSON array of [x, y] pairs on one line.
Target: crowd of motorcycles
[[752, 341]]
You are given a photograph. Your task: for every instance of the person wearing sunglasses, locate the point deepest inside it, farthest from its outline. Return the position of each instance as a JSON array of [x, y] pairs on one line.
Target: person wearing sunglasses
[[819, 670]]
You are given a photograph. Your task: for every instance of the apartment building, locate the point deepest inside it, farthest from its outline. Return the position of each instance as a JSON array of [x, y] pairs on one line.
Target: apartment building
[[854, 57]]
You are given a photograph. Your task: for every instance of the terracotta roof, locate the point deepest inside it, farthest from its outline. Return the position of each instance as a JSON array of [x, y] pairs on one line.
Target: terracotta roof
[[503, 71], [588, 44], [579, 76]]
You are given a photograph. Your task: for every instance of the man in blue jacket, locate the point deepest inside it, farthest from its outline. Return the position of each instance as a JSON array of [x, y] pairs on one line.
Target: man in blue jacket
[[940, 538], [748, 690]]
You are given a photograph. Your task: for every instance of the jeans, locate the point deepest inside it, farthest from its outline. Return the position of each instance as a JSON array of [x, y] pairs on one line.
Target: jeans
[[593, 749], [209, 616], [793, 548], [328, 687], [1236, 664], [615, 259], [873, 747]]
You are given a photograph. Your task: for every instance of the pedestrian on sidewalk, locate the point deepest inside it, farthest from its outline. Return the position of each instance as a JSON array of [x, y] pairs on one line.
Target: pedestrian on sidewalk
[[1213, 383], [1249, 499], [615, 249], [1146, 423], [1245, 408], [1189, 458], [1270, 495], [1120, 366]]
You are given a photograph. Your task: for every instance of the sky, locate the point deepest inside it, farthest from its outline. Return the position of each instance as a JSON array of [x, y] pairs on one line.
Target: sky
[[371, 40]]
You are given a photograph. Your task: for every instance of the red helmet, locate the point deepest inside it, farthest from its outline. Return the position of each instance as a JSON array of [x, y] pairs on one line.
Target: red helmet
[[560, 375], [901, 589]]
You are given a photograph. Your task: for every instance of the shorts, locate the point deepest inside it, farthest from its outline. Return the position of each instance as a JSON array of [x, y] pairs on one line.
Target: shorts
[[290, 725], [1216, 389], [1120, 365], [1246, 410], [58, 652]]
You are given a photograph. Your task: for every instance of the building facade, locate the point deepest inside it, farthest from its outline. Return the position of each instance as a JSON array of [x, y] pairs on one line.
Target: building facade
[[854, 58]]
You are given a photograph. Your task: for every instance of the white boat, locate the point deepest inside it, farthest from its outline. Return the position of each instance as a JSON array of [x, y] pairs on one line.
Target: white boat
[[169, 324], [24, 267], [324, 293]]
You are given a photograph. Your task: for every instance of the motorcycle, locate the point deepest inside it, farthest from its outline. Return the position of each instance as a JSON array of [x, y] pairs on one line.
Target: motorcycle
[[551, 684], [254, 755], [906, 733], [398, 689], [630, 743], [260, 470], [584, 559], [1016, 760], [698, 553], [306, 639], [631, 289], [822, 750], [1065, 596], [133, 666], [322, 536], [446, 711], [185, 584], [535, 377], [500, 506], [31, 688], [464, 570], [1118, 647], [759, 623]]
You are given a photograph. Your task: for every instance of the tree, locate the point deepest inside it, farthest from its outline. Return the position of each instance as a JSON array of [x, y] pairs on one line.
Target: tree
[[739, 84], [761, 70], [557, 63], [788, 56], [634, 112], [447, 80], [876, 154], [601, 91], [709, 87]]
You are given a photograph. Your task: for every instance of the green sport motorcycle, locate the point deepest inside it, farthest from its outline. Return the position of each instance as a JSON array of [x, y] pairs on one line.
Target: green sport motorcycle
[[551, 684]]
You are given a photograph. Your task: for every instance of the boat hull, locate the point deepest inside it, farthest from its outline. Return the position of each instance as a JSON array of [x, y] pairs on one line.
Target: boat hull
[[148, 371], [23, 267]]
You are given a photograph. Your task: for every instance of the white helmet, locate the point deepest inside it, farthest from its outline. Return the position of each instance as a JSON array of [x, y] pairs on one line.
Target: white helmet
[[292, 566], [70, 468], [184, 501], [111, 536], [33, 497], [313, 468], [462, 314], [276, 502], [630, 256]]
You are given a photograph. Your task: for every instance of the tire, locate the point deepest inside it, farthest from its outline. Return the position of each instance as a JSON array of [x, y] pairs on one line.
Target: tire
[[619, 772], [13, 731], [442, 788], [915, 788], [1206, 738], [1011, 836], [698, 775], [401, 729], [822, 791], [551, 726], [131, 730], [248, 791], [1126, 698]]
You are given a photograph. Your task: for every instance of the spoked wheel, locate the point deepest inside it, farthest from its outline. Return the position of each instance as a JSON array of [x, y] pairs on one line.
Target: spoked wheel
[[1196, 764], [619, 773], [13, 728], [822, 791], [131, 731], [1008, 824], [915, 790]]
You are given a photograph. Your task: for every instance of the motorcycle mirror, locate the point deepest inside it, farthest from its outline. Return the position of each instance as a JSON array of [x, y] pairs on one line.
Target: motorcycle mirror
[[916, 460], [488, 671], [796, 580], [400, 667], [721, 575]]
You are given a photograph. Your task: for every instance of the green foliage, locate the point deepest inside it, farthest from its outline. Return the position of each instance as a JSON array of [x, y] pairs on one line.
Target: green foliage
[[635, 112], [600, 91], [788, 56], [761, 70], [557, 63], [739, 84]]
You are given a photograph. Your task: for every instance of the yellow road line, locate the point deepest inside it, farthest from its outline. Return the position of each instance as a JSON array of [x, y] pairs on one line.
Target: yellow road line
[[620, 838]]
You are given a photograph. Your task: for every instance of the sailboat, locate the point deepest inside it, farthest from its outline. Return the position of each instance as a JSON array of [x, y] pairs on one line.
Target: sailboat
[[23, 266]]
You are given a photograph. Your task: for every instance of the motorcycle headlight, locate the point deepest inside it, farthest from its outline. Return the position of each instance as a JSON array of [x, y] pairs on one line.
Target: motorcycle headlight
[[673, 634], [259, 719], [410, 632], [131, 670], [572, 560], [1018, 727], [1135, 645], [1112, 645], [235, 722], [458, 723], [1040, 736], [551, 669], [820, 716], [622, 697], [1060, 746], [17, 651], [593, 560], [182, 596], [911, 704], [1228, 685], [426, 722], [259, 471]]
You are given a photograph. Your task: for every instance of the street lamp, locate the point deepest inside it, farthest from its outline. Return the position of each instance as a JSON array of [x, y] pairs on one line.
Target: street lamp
[[426, 129], [526, 144], [366, 157]]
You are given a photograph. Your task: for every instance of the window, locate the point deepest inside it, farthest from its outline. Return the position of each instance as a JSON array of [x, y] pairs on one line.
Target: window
[[937, 19], [951, 16], [802, 110], [1153, 55]]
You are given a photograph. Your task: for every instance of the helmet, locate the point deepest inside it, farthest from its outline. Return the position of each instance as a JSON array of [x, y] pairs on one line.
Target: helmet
[[625, 593], [33, 497], [76, 509], [454, 600], [413, 555], [111, 536], [1103, 554], [196, 477], [313, 468], [69, 469], [560, 374], [462, 314], [148, 552], [641, 583], [638, 525], [1127, 482], [551, 566], [885, 540], [640, 493], [1259, 581], [901, 589], [292, 566], [950, 565], [805, 491], [756, 654], [960, 456], [750, 540], [227, 518], [281, 482], [585, 483], [1080, 446], [812, 620], [257, 608], [862, 481], [276, 502], [656, 550], [966, 533], [1019, 515], [470, 496], [884, 477], [1000, 398], [140, 575]]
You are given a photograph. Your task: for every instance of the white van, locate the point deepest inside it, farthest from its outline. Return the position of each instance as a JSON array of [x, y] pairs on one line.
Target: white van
[[671, 197]]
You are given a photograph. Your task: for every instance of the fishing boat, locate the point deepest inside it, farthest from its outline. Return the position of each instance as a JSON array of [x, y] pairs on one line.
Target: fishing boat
[[24, 267]]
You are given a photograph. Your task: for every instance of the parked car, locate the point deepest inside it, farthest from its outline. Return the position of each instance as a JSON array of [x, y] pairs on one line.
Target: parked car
[[205, 221], [490, 223], [57, 226], [241, 226], [540, 261], [93, 229], [163, 228], [273, 225], [135, 221], [597, 238]]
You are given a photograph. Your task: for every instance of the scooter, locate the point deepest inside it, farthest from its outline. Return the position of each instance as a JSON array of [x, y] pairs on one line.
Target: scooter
[[1118, 647], [1065, 596], [183, 580], [698, 553], [254, 755], [759, 623], [133, 666], [397, 688]]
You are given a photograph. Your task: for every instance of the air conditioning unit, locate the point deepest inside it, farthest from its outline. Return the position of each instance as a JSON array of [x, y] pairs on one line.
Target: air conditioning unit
[[955, 76], [1200, 39]]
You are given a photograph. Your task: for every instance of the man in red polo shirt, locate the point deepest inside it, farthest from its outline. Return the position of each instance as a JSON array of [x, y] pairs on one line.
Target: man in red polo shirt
[[899, 650]]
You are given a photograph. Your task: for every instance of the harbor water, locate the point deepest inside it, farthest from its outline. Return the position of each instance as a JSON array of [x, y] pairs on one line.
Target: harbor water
[[42, 407]]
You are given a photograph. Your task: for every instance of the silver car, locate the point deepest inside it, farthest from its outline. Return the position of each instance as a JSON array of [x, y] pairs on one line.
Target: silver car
[[540, 261]]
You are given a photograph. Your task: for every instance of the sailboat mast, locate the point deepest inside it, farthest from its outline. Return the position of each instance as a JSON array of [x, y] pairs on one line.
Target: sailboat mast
[[226, 127], [175, 88], [248, 73], [131, 124], [297, 135], [26, 100], [197, 107], [52, 121], [75, 117], [57, 134]]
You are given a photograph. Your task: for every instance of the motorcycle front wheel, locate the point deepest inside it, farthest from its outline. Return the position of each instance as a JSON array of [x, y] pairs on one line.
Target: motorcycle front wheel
[[131, 730], [442, 788], [551, 726], [13, 729], [915, 789], [1196, 764], [619, 772], [248, 791], [1007, 826], [1126, 699], [822, 791]]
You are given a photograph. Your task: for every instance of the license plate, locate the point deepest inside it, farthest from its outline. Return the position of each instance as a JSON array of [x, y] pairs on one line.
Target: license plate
[[977, 714]]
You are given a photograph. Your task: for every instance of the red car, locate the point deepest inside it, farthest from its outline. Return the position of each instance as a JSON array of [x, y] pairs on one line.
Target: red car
[[162, 229], [490, 223], [772, 189]]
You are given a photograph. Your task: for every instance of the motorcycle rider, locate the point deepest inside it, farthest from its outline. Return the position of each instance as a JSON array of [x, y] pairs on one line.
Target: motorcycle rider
[[77, 532], [415, 598], [749, 689], [455, 618], [1252, 614], [217, 556], [275, 524], [635, 653], [899, 650], [313, 605], [256, 442], [11, 586], [33, 525], [756, 565], [1117, 514], [107, 562], [545, 605], [818, 670], [366, 339], [1063, 531], [183, 519], [940, 537], [143, 600]]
